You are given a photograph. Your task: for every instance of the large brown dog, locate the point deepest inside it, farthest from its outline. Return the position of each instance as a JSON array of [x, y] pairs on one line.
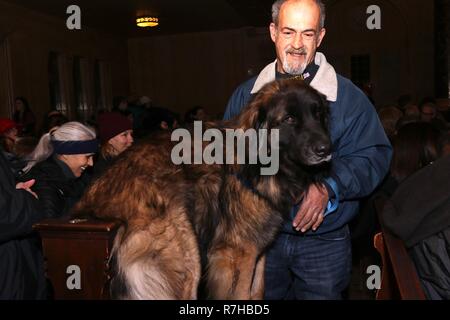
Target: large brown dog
[[228, 214]]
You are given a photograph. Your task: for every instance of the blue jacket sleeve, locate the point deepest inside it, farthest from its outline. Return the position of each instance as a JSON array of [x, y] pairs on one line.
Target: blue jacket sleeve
[[362, 150], [230, 110]]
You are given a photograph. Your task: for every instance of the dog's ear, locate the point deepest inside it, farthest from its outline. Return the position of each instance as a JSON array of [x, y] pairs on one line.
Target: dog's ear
[[254, 115], [249, 117]]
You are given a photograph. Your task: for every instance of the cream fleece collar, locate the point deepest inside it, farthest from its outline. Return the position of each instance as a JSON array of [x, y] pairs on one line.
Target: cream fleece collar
[[325, 80]]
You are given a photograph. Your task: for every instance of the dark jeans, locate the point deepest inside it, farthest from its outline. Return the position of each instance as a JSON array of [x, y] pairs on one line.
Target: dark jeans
[[308, 267]]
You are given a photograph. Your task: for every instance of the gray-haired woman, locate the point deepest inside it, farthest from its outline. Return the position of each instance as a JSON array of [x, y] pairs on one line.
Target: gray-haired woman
[[58, 164]]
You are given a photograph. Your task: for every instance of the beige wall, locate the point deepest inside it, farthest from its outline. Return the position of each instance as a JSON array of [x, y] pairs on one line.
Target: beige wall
[[204, 68], [30, 36]]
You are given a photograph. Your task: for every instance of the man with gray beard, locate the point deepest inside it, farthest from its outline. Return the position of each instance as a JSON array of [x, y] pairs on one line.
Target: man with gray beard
[[311, 257]]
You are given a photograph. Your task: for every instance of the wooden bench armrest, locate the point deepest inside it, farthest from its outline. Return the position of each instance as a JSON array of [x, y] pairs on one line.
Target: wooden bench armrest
[[77, 255], [398, 268]]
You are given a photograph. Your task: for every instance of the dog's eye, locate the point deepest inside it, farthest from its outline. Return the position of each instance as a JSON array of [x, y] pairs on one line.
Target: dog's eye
[[289, 119]]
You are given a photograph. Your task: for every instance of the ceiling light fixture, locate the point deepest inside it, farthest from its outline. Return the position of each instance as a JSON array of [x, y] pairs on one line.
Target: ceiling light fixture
[[144, 22]]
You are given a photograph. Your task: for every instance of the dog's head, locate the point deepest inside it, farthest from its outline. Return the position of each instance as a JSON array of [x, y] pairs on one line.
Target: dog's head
[[300, 113]]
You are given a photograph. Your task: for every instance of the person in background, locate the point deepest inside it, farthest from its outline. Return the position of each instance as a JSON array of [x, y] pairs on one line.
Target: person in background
[[419, 214], [8, 134], [403, 101], [24, 117], [416, 145], [9, 139], [139, 107], [429, 113], [412, 110], [21, 262], [24, 147], [197, 113], [53, 119], [116, 136], [389, 117], [120, 104], [156, 119], [58, 164]]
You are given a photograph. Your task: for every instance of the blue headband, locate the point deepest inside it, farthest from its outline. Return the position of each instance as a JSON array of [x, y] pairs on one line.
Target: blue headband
[[75, 147]]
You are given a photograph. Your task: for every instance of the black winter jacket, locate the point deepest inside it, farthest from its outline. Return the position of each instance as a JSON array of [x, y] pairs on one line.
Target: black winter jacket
[[100, 166], [56, 186], [420, 207], [21, 262], [419, 214]]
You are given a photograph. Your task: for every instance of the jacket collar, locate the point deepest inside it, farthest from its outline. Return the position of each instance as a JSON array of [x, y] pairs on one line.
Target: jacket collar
[[325, 80]]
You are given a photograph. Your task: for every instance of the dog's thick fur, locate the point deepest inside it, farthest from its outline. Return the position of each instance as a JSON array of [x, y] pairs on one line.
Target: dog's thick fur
[[229, 213]]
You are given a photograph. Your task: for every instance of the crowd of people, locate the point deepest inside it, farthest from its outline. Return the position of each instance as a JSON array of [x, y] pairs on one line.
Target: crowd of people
[[44, 176], [419, 141], [390, 150]]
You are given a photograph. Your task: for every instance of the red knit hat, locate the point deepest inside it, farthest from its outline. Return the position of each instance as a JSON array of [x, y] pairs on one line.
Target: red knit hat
[[6, 124], [111, 124]]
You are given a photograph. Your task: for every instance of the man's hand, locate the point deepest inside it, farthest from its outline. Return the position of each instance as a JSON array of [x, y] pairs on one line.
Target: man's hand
[[312, 209], [27, 186]]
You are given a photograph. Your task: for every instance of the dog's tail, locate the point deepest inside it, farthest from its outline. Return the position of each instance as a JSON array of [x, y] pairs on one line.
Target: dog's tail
[[142, 280], [156, 261], [138, 276]]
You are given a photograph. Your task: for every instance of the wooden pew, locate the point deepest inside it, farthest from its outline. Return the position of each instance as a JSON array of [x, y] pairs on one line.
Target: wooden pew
[[399, 279], [76, 254]]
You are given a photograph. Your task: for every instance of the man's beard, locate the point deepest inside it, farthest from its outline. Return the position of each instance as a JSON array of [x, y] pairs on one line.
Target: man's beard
[[292, 69]]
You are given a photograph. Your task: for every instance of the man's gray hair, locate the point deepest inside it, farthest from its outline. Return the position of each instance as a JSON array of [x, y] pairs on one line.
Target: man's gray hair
[[277, 5]]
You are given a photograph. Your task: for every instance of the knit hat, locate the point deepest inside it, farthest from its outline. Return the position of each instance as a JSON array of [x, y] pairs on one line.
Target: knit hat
[[6, 124], [111, 124]]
